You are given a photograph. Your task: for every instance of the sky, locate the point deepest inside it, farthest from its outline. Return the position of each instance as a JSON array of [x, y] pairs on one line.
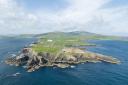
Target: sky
[[108, 17]]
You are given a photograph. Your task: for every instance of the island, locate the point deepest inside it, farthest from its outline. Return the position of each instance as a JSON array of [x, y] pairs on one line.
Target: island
[[60, 49]]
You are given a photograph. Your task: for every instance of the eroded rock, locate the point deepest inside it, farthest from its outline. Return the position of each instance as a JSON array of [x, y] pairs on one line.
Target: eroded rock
[[65, 58]]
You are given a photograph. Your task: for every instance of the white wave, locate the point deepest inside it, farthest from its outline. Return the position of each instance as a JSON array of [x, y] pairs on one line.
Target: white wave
[[72, 66], [16, 74]]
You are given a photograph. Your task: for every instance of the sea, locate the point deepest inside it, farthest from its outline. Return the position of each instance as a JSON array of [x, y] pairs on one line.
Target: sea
[[81, 74]]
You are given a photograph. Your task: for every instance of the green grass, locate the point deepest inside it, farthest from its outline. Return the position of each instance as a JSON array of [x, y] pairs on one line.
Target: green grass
[[61, 40], [58, 43], [41, 48]]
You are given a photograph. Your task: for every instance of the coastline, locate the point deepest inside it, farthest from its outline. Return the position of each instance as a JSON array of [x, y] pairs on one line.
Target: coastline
[[33, 61], [59, 49], [81, 72]]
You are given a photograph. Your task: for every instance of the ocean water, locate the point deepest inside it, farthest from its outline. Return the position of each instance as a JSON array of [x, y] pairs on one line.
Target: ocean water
[[82, 74]]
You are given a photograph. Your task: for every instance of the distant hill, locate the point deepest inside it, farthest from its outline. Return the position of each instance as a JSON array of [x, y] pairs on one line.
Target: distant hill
[[69, 33], [79, 34]]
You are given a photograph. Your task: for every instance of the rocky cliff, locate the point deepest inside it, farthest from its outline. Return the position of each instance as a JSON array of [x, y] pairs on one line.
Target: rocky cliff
[[66, 57]]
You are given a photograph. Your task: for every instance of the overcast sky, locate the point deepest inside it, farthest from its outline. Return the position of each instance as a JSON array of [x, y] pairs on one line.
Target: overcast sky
[[108, 17]]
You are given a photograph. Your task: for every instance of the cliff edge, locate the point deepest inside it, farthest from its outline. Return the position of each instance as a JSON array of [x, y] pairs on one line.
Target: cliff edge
[[66, 57]]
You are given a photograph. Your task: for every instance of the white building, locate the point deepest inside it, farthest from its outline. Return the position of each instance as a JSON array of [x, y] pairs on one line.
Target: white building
[[49, 40]]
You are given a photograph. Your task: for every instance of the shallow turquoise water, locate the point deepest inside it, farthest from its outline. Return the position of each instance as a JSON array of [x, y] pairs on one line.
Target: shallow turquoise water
[[82, 74]]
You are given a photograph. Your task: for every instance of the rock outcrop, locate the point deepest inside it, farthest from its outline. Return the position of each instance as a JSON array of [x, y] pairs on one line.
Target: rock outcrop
[[66, 57]]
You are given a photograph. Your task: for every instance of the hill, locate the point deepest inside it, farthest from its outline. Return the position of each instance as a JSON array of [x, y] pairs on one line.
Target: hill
[[79, 34]]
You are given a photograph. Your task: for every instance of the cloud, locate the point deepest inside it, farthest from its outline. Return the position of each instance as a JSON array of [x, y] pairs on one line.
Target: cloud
[[83, 15], [14, 19], [75, 17], [117, 19]]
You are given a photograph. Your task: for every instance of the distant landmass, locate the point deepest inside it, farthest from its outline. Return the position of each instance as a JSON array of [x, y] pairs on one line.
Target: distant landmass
[[73, 33], [83, 34]]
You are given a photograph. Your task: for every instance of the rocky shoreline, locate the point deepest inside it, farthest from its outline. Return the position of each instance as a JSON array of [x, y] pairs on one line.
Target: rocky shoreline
[[32, 60]]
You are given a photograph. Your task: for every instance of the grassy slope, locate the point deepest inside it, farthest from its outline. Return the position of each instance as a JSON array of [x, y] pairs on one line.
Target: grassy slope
[[61, 40]]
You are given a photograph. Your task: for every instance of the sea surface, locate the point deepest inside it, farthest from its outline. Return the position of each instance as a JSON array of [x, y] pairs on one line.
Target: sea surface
[[82, 74]]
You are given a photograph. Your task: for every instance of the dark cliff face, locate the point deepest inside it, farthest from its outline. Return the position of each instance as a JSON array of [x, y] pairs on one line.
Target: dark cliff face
[[34, 61]]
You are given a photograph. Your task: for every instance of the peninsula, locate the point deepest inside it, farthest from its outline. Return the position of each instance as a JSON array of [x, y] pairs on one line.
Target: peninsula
[[60, 49]]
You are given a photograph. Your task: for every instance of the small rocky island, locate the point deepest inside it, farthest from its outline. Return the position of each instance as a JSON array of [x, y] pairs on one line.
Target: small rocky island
[[57, 51]]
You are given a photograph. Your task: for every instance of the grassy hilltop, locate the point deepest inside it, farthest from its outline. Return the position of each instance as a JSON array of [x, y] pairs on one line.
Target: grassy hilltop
[[54, 41]]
